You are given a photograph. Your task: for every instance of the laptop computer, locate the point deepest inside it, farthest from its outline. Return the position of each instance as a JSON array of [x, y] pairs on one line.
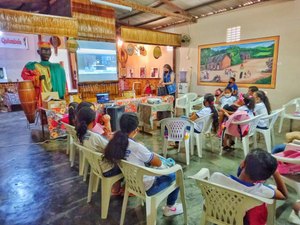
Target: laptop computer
[[103, 97]]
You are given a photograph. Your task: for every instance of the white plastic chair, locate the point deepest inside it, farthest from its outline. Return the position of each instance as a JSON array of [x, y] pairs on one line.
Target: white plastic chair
[[177, 131], [71, 145], [134, 184], [191, 96], [69, 130], [95, 159], [197, 101], [291, 182], [252, 122], [71, 138], [226, 206], [289, 111], [206, 122], [182, 103], [269, 133]]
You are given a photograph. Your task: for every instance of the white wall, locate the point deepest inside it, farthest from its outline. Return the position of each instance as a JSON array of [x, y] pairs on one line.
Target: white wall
[[15, 59], [262, 20]]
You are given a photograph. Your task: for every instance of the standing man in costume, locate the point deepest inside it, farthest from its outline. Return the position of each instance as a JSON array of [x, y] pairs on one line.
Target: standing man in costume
[[46, 76]]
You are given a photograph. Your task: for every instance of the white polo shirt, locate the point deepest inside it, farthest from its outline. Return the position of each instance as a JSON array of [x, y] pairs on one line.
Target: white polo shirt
[[261, 109], [227, 100], [258, 189], [138, 154], [201, 113]]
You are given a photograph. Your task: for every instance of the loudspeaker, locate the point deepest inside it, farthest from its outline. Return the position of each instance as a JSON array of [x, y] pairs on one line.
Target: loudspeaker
[[115, 113]]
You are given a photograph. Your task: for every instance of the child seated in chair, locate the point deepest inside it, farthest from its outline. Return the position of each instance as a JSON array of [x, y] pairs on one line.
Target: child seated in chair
[[248, 105], [226, 98], [123, 146], [85, 121], [209, 108], [258, 166]]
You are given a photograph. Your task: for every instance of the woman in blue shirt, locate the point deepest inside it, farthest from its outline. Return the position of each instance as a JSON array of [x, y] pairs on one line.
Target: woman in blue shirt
[[168, 79]]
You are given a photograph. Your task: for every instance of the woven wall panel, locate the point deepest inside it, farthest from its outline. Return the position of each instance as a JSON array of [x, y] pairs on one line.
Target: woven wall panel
[[23, 22], [137, 35]]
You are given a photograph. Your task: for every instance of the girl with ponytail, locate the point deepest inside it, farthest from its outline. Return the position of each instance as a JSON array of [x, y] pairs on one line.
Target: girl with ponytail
[[262, 107], [84, 124], [209, 108], [123, 146], [248, 105]]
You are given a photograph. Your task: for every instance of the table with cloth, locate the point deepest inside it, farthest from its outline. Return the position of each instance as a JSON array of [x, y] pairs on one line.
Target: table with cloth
[[148, 111], [52, 118], [131, 104]]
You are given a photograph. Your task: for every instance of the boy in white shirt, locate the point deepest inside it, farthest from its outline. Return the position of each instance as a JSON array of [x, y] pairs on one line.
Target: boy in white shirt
[[226, 98], [258, 166]]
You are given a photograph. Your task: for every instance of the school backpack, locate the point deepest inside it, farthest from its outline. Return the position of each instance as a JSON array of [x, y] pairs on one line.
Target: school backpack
[[289, 168], [237, 130]]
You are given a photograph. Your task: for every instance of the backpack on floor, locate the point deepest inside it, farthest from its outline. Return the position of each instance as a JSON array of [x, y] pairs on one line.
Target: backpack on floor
[[235, 130]]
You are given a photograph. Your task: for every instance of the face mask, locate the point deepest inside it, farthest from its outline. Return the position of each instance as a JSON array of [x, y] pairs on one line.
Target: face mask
[[227, 95]]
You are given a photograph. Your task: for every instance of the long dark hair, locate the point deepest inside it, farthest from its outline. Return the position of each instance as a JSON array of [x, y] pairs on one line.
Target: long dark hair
[[116, 149], [169, 68], [209, 98], [263, 97], [249, 101], [72, 113], [84, 116], [84, 104]]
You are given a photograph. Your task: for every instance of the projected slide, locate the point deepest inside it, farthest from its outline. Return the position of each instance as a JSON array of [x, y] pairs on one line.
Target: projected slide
[[97, 61]]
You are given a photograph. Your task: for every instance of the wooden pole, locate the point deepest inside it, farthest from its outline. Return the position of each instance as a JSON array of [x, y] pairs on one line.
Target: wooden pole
[[148, 9]]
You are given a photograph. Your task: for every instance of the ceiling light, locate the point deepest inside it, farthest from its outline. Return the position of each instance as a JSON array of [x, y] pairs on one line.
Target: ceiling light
[[127, 8]]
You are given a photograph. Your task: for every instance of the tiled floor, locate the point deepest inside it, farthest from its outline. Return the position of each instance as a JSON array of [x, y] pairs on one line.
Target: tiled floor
[[37, 185]]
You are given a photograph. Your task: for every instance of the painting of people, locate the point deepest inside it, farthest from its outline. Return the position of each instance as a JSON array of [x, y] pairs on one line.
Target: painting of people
[[250, 62]]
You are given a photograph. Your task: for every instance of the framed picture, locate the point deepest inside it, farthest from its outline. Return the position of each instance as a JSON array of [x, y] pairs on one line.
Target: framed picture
[[3, 76], [143, 72], [130, 72], [154, 73], [250, 62]]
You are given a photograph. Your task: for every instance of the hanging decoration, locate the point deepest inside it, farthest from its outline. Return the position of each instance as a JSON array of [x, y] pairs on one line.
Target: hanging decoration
[[157, 52], [142, 50], [130, 49], [55, 42], [72, 45], [123, 56]]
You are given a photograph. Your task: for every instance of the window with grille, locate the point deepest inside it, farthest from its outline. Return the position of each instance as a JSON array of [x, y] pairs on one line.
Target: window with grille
[[233, 34]]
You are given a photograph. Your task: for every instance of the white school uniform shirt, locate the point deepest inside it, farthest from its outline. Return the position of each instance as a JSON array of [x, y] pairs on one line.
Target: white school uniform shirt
[[245, 108], [97, 143], [227, 100], [201, 113], [258, 189], [261, 109], [138, 154]]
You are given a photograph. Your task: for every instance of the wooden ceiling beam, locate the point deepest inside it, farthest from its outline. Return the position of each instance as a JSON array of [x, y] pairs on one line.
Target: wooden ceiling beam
[[148, 9], [153, 5], [148, 21], [203, 5], [175, 7]]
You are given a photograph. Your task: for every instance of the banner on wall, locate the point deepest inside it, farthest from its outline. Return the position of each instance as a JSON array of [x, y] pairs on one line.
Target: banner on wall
[[8, 41]]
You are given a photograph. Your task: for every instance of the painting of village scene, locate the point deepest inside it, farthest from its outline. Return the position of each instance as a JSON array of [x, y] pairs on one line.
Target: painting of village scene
[[250, 62]]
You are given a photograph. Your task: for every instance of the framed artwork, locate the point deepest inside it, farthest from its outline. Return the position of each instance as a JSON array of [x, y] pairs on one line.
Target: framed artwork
[[154, 73], [142, 72], [3, 76], [130, 72], [250, 62]]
